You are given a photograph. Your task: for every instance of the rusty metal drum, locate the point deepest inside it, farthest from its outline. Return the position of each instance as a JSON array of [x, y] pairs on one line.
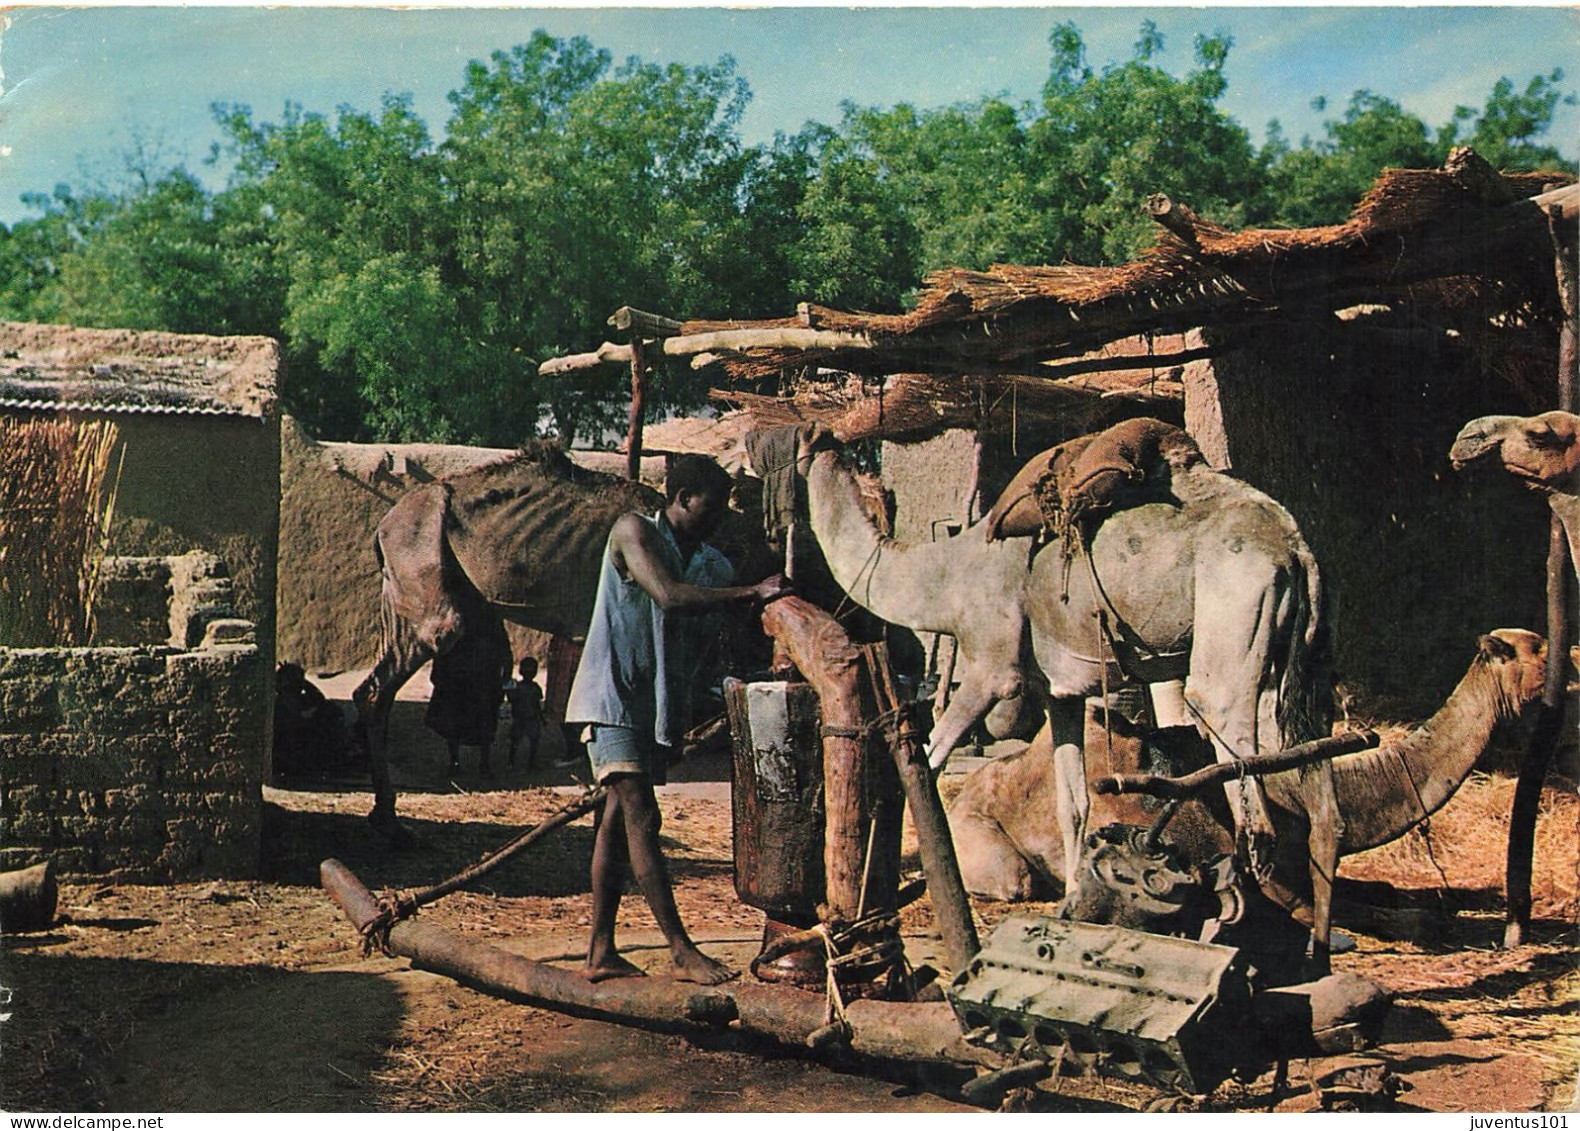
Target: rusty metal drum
[[777, 797]]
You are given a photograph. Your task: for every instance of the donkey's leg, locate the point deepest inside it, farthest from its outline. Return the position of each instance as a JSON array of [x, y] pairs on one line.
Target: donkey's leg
[[403, 655]]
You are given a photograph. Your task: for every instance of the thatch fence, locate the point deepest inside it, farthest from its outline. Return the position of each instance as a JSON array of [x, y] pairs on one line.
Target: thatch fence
[[57, 497]]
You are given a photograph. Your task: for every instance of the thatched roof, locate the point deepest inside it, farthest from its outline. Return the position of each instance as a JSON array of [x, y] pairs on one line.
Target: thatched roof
[[69, 369], [912, 406], [1464, 238]]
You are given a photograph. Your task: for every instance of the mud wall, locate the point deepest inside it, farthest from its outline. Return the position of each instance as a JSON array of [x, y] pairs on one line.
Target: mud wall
[[210, 483], [1349, 427], [140, 762]]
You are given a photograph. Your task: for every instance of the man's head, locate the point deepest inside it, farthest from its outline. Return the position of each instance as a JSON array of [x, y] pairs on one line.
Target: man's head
[[528, 668], [698, 494]]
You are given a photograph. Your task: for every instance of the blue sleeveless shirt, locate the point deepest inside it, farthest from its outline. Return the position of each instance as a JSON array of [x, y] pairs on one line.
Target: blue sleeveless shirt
[[639, 661]]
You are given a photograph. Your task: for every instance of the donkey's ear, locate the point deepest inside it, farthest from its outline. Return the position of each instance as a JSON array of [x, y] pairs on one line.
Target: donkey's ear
[[1496, 648]]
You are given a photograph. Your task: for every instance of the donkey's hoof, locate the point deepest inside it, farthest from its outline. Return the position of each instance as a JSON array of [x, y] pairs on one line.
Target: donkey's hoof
[[387, 826]]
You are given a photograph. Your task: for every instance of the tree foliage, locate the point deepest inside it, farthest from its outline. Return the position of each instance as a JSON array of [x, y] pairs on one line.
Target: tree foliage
[[417, 283]]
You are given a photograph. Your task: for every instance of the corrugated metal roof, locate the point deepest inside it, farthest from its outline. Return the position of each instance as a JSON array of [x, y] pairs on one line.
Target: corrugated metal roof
[[46, 368]]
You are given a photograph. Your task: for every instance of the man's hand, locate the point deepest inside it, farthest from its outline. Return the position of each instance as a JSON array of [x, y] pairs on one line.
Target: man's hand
[[770, 589]]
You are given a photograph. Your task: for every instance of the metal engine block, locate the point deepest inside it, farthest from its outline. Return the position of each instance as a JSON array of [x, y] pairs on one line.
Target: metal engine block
[[1166, 1011]]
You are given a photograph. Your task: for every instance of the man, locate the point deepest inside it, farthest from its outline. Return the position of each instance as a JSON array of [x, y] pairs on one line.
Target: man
[[633, 689]]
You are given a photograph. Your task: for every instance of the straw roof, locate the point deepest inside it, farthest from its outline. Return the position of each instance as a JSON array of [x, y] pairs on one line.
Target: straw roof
[[1463, 238], [67, 368]]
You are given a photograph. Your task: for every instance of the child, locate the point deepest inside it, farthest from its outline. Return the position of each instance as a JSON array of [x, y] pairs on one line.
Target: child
[[526, 710]]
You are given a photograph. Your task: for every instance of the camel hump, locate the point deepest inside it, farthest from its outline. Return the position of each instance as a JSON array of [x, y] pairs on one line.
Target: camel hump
[[1091, 476]]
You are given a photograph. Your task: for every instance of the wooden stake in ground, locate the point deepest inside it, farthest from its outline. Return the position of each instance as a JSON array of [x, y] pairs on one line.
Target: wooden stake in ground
[[825, 655], [1547, 732]]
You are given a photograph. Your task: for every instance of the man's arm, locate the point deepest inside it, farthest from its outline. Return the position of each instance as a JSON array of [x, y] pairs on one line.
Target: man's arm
[[638, 552]]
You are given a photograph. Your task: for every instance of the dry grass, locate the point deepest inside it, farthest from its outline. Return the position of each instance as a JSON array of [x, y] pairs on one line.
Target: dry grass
[[1463, 846], [54, 527]]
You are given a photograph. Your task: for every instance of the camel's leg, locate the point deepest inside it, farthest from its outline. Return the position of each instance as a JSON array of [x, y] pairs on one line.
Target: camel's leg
[[990, 863], [1067, 725], [1229, 665], [978, 691]]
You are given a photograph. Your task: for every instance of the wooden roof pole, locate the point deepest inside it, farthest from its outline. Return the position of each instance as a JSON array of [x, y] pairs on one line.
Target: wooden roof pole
[[645, 329], [1548, 730], [634, 425]]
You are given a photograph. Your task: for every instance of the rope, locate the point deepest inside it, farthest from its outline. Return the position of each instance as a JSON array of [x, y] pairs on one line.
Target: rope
[[395, 907], [1425, 820]]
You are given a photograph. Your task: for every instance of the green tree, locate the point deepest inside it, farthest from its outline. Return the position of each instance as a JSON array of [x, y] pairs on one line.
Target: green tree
[[859, 247], [1107, 140], [356, 217], [1507, 129], [1321, 181], [580, 187], [33, 250]]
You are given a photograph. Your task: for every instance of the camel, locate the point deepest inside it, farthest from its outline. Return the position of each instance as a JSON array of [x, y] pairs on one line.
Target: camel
[[1542, 451], [519, 540], [1215, 587], [1002, 816]]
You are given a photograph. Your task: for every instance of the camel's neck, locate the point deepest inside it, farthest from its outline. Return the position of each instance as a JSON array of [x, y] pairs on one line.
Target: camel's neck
[[1384, 792], [926, 586], [1567, 508]]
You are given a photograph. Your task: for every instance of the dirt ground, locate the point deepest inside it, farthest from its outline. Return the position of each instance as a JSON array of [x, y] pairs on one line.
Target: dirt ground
[[254, 996]]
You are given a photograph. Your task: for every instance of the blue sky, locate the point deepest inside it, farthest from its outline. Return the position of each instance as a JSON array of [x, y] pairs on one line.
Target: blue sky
[[81, 87]]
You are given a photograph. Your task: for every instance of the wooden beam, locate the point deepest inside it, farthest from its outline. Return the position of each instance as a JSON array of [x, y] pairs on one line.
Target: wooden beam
[[610, 353], [1564, 201], [633, 435], [715, 342], [1175, 217], [1055, 370], [643, 324], [770, 338]]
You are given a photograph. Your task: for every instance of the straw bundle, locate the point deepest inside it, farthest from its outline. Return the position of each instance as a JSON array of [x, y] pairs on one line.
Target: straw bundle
[[55, 517]]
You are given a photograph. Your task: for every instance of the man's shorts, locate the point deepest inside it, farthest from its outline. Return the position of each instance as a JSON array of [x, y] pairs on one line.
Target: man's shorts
[[622, 750]]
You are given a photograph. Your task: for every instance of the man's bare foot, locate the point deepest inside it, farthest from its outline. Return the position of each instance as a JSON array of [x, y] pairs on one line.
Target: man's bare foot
[[694, 966], [612, 967]]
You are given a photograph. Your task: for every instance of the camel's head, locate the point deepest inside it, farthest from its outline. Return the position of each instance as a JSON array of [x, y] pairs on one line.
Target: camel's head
[[811, 439], [1542, 450], [1517, 658]]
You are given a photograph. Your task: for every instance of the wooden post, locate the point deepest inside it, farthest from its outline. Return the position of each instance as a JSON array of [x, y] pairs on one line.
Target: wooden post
[[1547, 732], [824, 654], [633, 435], [787, 1017]]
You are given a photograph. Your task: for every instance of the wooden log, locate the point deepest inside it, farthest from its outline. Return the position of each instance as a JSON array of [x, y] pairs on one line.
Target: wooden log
[[1189, 784], [1562, 201], [27, 899], [713, 342], [610, 353], [771, 338], [642, 324], [821, 650], [910, 1031], [824, 654], [1339, 1013], [1177, 218]]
